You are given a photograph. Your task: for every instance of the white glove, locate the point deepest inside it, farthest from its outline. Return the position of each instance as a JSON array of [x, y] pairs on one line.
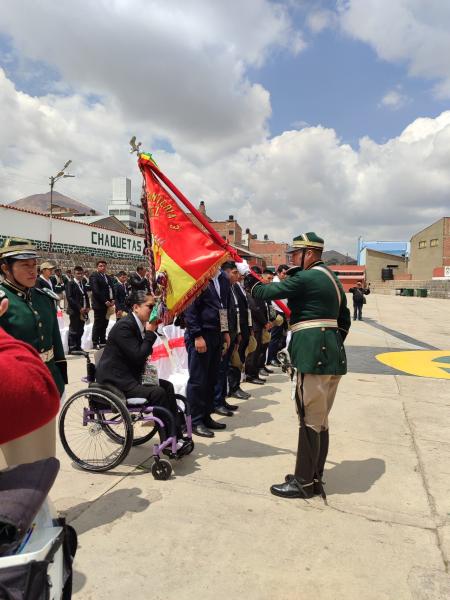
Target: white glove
[[243, 267]]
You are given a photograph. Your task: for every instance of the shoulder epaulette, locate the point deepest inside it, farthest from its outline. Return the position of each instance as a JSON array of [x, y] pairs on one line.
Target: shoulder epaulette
[[48, 293]]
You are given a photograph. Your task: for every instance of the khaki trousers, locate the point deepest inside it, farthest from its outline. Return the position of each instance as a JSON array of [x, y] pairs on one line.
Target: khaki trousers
[[318, 396], [37, 445]]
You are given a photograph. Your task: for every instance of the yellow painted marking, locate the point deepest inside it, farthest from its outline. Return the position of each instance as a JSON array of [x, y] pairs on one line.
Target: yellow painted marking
[[423, 363]]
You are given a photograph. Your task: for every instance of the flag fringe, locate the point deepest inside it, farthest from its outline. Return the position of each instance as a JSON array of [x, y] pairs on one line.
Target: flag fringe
[[197, 288]]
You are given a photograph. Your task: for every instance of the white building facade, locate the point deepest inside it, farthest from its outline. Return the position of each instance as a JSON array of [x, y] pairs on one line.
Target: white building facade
[[122, 208]]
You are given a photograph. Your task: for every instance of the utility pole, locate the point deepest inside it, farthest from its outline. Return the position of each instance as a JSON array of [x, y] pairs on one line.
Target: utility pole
[[53, 180]]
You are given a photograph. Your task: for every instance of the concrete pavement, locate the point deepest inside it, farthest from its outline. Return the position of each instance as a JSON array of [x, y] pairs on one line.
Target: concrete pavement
[[214, 531]]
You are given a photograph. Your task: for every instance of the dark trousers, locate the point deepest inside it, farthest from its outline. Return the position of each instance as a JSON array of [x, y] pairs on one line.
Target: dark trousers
[[263, 355], [76, 329], [357, 310], [162, 395], [100, 326], [277, 342], [203, 374], [252, 364], [220, 389], [234, 374]]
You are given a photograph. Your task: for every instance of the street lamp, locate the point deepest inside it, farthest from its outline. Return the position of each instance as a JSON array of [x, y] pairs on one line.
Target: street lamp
[[53, 180]]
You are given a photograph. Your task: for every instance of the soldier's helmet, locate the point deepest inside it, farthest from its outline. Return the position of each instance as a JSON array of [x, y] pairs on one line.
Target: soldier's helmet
[[308, 240], [17, 249]]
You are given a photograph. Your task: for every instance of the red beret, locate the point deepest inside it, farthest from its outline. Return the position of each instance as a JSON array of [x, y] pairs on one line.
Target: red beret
[[28, 395]]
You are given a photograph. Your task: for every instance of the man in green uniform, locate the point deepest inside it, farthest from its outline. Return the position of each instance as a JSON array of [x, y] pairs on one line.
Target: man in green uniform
[[319, 322], [31, 315]]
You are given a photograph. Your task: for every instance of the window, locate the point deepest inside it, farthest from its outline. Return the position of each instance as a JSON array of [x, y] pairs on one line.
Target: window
[[114, 212], [422, 244], [230, 232], [434, 243], [132, 224]]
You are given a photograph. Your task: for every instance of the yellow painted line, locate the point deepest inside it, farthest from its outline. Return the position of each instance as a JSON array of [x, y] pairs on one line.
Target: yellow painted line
[[423, 363]]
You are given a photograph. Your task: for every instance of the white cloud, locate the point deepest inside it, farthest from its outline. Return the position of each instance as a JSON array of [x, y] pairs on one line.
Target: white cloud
[[318, 20], [412, 32], [394, 99], [179, 67], [297, 181]]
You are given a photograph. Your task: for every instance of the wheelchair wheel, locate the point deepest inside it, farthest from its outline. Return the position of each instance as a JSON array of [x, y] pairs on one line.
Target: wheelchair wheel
[[95, 430], [161, 470]]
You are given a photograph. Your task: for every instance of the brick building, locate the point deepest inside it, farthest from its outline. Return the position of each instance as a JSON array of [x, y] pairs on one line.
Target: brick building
[[430, 250], [274, 253]]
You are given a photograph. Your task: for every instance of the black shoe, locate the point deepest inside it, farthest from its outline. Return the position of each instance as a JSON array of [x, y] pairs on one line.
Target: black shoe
[[202, 431], [255, 380], [211, 424], [268, 371], [240, 394], [293, 488], [231, 407], [223, 412], [275, 363]]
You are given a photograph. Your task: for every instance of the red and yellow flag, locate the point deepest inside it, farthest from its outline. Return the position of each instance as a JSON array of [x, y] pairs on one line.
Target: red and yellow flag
[[187, 255]]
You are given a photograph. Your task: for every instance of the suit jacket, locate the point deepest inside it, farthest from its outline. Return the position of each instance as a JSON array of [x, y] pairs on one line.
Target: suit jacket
[[139, 283], [260, 312], [100, 289], [75, 297], [59, 284], [125, 354], [121, 295], [243, 308], [42, 284], [203, 313]]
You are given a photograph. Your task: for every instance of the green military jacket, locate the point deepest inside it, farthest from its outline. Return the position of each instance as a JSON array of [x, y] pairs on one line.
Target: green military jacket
[[312, 295], [31, 317]]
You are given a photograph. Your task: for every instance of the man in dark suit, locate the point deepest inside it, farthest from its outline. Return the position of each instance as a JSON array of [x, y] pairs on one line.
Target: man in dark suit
[[46, 277], [260, 320], [124, 358], [138, 281], [102, 288], [77, 308], [121, 292], [234, 373], [205, 337], [221, 406]]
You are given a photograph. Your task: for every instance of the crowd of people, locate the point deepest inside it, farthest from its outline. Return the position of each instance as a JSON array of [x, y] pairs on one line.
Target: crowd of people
[[234, 331]]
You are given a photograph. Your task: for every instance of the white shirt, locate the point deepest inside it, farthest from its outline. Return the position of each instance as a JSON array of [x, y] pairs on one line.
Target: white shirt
[[276, 279], [49, 281], [140, 325]]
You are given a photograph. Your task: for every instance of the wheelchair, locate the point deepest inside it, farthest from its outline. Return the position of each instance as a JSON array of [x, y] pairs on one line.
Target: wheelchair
[[98, 427]]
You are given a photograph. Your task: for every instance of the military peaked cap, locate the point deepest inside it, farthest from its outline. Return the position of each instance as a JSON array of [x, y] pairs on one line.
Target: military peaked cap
[[18, 249], [308, 240]]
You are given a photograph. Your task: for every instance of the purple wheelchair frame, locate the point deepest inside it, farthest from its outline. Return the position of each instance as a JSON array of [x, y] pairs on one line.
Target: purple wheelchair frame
[[157, 448]]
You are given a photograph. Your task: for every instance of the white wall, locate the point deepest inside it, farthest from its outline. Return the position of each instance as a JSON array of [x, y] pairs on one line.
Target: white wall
[[15, 223]]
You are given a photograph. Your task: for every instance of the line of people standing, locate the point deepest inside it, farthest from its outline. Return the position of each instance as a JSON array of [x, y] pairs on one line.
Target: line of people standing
[[227, 337]]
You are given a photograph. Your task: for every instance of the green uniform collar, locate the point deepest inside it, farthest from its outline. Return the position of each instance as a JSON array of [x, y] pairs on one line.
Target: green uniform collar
[[25, 294]]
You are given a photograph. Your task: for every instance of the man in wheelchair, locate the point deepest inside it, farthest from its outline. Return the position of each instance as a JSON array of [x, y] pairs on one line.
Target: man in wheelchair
[[124, 358]]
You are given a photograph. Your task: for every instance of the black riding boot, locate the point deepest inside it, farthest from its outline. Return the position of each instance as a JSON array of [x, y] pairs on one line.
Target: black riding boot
[[323, 452], [301, 484]]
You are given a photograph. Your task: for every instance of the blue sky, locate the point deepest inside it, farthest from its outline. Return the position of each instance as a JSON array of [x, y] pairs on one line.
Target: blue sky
[[339, 82], [212, 88]]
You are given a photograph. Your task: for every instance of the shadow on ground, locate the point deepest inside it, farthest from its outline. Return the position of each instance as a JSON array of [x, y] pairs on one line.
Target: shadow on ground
[[108, 508], [353, 476]]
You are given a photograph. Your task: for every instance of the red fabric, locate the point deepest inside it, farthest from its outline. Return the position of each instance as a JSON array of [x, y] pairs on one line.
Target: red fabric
[[28, 395]]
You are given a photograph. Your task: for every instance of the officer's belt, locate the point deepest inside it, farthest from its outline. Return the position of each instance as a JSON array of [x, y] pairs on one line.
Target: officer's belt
[[47, 356], [314, 323]]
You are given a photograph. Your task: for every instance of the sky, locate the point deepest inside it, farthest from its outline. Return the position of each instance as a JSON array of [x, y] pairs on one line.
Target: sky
[[296, 115]]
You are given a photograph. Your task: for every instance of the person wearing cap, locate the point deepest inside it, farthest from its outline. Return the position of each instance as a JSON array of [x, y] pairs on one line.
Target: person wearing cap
[[45, 277], [31, 316], [319, 322]]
